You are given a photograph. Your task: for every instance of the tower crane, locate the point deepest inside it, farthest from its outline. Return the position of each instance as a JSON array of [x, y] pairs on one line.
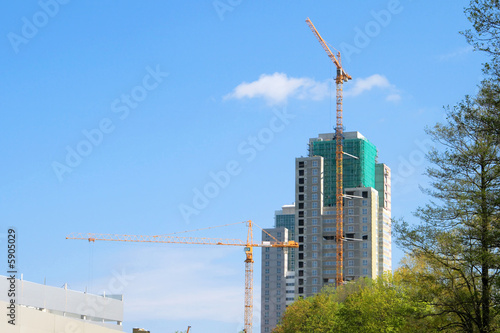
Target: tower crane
[[249, 244], [342, 77]]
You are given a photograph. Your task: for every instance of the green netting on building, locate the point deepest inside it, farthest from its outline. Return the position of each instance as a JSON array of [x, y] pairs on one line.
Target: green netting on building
[[357, 172], [288, 221], [379, 183]]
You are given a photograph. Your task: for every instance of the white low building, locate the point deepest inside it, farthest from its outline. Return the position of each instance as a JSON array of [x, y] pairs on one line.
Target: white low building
[[44, 309]]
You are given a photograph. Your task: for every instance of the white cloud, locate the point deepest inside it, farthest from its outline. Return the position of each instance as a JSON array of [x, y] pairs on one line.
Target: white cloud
[[456, 53], [277, 88], [393, 97], [362, 85]]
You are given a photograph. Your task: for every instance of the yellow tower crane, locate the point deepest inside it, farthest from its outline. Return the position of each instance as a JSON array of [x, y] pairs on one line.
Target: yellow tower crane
[[249, 245], [342, 77]]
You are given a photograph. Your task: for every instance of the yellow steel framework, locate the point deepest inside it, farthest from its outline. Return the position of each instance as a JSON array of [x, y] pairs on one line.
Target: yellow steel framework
[[342, 77], [249, 245]]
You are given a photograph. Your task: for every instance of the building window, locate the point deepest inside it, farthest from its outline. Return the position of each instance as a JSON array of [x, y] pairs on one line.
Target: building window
[[314, 221], [315, 180], [365, 254], [266, 278], [365, 211], [314, 247], [314, 239], [314, 264], [278, 263], [278, 307], [350, 254], [314, 213], [267, 263], [315, 255], [267, 256], [314, 290], [350, 246], [350, 262], [350, 212], [315, 230], [364, 194], [365, 271], [365, 228], [365, 220], [315, 281], [278, 235], [315, 172], [266, 292], [314, 163], [350, 220], [350, 228], [267, 271], [266, 307], [315, 196], [350, 203], [266, 286], [278, 270], [278, 285], [315, 204], [266, 299], [350, 271], [365, 245], [314, 272], [364, 202], [315, 188], [365, 262]]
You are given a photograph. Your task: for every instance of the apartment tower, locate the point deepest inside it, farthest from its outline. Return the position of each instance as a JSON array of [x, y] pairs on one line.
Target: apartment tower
[[367, 213]]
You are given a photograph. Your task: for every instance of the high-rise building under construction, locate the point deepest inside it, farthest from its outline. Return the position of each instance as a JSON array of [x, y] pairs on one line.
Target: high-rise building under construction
[[366, 225], [367, 213]]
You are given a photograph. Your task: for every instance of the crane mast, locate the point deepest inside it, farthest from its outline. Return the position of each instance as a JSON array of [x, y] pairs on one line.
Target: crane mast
[[342, 77], [249, 245]]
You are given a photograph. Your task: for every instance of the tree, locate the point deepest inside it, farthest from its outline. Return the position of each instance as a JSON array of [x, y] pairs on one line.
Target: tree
[[313, 314], [363, 305], [485, 35], [459, 234]]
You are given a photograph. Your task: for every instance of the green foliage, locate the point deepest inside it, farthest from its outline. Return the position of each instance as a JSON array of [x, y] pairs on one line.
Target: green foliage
[[459, 235], [382, 305], [313, 314], [485, 18]]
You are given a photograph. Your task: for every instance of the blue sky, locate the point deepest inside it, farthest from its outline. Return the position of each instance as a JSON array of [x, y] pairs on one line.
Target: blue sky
[[158, 98]]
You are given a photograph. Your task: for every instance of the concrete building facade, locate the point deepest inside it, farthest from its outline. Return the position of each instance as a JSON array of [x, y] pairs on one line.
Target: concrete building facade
[[367, 213], [274, 279], [286, 218], [46, 309]]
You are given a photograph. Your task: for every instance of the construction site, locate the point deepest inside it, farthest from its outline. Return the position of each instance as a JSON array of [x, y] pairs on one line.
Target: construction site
[[320, 244]]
